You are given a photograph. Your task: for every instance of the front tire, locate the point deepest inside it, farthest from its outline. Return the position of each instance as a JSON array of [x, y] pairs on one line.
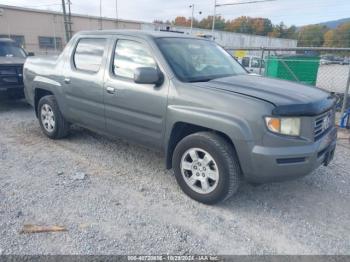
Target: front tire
[[206, 167], [51, 120]]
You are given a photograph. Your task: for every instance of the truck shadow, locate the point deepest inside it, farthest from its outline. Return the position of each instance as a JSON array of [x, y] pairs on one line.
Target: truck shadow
[[321, 184], [318, 199], [10, 105]]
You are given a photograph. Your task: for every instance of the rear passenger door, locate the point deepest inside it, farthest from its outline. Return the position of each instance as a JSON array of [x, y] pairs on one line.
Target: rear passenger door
[[134, 111], [83, 80]]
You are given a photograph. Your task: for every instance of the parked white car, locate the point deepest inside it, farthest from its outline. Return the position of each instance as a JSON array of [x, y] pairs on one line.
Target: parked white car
[[253, 64]]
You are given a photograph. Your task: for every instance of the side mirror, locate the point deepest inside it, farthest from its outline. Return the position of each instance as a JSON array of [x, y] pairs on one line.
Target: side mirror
[[147, 75], [30, 54]]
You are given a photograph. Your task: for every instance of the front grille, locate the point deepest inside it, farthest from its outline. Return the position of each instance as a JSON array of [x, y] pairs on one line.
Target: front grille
[[11, 75], [8, 71], [324, 123]]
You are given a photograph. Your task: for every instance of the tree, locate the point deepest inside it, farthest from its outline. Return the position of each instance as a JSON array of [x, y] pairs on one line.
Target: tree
[[182, 21], [207, 23], [330, 38], [342, 35], [278, 30], [291, 32], [339, 37], [239, 25], [220, 23], [312, 35], [244, 24], [261, 26]]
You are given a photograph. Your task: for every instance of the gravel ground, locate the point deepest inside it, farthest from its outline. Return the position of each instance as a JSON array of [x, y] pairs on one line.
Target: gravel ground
[[128, 203]]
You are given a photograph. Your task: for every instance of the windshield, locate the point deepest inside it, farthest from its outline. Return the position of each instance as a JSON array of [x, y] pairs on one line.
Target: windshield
[[10, 50], [195, 60]]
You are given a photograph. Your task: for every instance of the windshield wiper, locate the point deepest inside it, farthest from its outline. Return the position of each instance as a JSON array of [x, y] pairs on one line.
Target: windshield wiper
[[200, 80]]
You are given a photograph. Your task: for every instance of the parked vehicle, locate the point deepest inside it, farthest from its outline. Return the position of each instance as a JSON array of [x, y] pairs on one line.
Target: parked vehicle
[[12, 59], [187, 97], [346, 61], [331, 60], [253, 64]]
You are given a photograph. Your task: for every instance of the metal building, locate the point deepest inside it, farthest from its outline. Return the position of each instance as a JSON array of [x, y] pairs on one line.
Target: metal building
[[42, 31]]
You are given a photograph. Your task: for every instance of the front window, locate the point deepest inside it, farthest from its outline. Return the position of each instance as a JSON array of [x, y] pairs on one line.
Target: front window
[[130, 55], [196, 60], [11, 50]]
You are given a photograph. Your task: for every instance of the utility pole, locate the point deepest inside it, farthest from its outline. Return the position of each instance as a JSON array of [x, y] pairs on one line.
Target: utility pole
[[70, 19], [101, 26], [346, 93], [192, 6], [116, 13], [65, 21], [230, 4], [214, 17], [54, 31]]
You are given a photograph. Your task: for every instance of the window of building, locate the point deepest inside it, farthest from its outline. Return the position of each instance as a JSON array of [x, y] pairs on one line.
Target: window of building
[[130, 55], [88, 54], [19, 39], [46, 42]]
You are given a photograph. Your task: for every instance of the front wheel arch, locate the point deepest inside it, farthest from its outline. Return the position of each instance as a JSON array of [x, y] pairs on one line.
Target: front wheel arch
[[180, 130]]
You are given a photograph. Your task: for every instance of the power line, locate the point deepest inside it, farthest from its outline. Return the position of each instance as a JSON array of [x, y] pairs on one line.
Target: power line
[[231, 4]]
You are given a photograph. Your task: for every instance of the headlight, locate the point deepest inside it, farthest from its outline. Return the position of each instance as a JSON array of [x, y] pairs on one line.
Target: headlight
[[289, 126]]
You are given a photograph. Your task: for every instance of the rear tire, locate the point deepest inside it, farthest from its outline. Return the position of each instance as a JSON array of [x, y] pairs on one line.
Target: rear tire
[[206, 167], [50, 118]]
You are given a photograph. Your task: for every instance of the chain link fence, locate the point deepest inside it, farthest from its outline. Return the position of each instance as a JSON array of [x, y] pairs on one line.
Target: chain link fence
[[325, 68]]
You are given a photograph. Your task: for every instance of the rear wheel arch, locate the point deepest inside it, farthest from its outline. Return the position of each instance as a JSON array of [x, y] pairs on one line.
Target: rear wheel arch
[[52, 122], [38, 94]]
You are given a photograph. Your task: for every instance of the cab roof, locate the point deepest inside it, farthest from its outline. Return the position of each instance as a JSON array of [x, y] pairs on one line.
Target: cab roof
[[140, 33]]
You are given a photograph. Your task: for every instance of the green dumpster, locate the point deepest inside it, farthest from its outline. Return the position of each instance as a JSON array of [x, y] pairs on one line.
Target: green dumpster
[[296, 68]]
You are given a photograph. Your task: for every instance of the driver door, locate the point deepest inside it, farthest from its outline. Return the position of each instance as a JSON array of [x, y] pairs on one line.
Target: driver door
[[134, 111]]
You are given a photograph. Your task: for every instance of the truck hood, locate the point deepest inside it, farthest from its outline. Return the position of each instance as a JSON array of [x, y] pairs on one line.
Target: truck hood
[[289, 98], [11, 60]]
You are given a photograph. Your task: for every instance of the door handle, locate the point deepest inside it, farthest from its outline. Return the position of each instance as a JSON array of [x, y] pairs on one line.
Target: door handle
[[110, 90], [67, 80]]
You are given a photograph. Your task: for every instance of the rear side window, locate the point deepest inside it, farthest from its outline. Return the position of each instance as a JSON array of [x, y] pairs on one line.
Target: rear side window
[[130, 55], [88, 54]]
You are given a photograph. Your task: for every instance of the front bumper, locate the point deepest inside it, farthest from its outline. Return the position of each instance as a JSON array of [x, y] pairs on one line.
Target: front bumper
[[271, 164], [18, 87]]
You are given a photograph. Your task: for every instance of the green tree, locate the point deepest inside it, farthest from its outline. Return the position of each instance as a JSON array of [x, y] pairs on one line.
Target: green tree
[[207, 23], [240, 25], [342, 38], [330, 38], [261, 26], [312, 35]]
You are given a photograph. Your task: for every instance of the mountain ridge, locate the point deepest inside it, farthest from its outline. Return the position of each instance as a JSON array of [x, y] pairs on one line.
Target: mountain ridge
[[335, 23]]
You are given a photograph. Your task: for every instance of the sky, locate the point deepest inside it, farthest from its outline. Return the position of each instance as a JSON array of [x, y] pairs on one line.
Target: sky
[[291, 12]]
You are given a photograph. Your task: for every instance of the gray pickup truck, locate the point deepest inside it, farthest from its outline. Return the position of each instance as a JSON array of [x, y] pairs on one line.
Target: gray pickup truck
[[12, 58], [187, 97]]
